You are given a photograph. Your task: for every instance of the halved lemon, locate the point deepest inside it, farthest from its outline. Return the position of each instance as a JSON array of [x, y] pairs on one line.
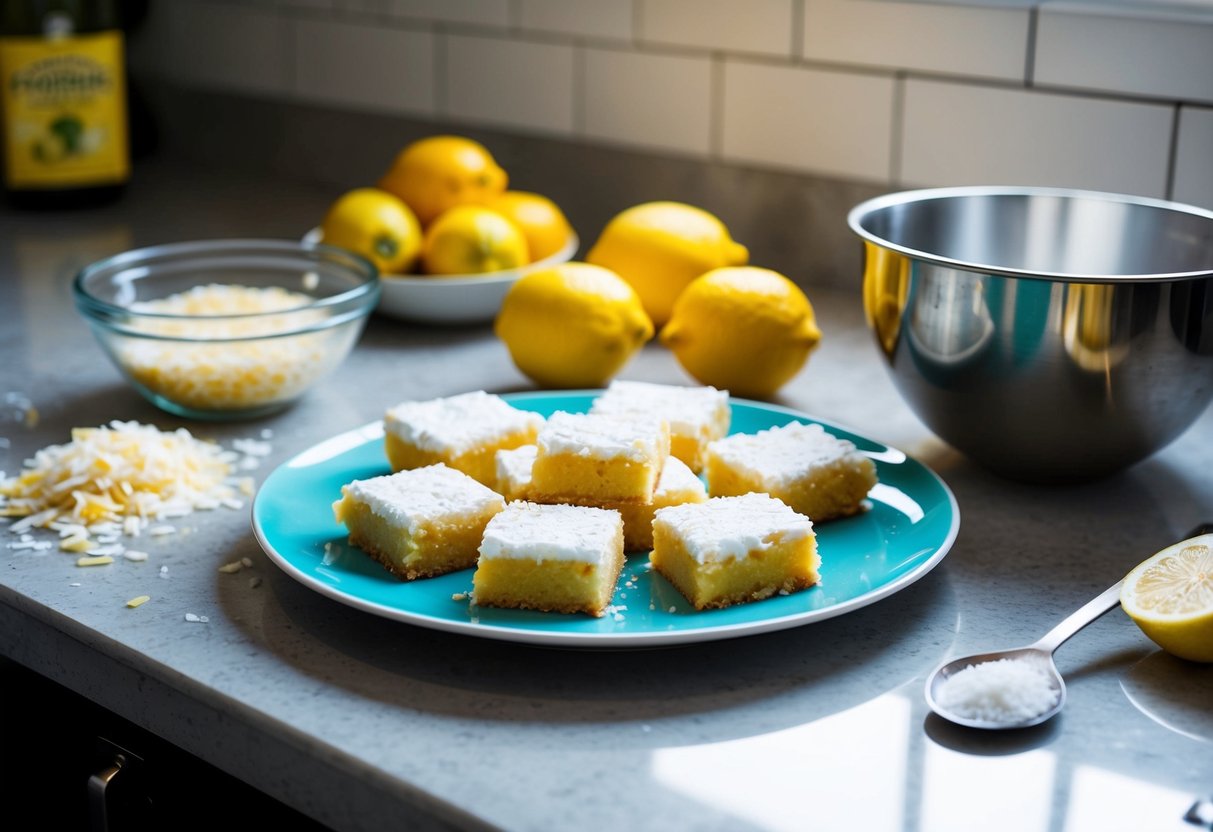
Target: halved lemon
[[1170, 597]]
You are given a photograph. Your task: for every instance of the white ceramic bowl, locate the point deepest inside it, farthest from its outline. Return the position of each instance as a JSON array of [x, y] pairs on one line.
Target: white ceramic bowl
[[454, 299]]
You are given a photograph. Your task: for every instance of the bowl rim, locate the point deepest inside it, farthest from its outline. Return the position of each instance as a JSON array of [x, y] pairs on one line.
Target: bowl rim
[[362, 297], [563, 255], [860, 212]]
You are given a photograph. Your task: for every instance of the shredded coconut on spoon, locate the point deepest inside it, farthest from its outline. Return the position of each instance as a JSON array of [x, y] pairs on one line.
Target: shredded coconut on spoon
[[1005, 691]]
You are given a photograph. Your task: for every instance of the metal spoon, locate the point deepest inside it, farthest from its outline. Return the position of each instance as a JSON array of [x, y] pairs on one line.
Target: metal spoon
[[1040, 652]]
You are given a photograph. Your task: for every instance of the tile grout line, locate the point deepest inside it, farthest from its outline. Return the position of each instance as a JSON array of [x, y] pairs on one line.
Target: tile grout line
[[1172, 153], [290, 48], [534, 36], [897, 129], [440, 75], [716, 107], [295, 28], [579, 87], [1029, 60], [797, 44]]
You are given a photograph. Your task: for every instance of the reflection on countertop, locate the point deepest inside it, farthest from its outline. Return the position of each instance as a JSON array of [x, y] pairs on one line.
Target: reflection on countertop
[[362, 722]]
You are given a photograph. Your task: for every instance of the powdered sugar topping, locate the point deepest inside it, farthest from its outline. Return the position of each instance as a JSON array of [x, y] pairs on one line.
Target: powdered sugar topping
[[732, 527], [514, 467], [781, 455], [407, 498], [458, 424], [602, 437], [553, 532], [690, 411]]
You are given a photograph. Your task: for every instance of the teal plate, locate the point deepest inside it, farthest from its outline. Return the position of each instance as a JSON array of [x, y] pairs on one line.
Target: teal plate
[[909, 528]]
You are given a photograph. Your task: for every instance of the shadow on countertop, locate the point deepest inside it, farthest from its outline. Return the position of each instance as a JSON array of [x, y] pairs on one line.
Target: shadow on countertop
[[827, 667], [1006, 582]]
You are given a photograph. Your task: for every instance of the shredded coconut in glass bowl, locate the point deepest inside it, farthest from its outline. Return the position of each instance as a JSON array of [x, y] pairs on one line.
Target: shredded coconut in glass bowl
[[227, 329], [224, 363]]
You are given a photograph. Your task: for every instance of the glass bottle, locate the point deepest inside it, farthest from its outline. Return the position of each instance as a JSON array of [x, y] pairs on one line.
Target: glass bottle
[[63, 91]]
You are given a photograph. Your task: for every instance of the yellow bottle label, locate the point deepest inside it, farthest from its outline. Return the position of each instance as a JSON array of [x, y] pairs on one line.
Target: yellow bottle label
[[64, 104]]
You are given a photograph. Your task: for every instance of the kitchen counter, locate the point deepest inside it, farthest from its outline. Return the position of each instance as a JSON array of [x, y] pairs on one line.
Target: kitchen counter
[[364, 723]]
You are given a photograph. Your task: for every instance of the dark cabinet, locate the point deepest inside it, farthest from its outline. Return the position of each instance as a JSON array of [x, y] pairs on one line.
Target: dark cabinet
[[68, 764]]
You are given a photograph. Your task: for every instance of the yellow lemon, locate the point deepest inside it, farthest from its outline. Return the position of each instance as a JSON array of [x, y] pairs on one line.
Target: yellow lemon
[[1170, 597], [743, 329], [470, 239], [660, 247], [542, 222], [435, 174], [377, 225], [572, 325]]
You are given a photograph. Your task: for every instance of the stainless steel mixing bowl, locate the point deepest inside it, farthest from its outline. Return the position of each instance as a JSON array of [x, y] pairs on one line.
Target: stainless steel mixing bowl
[[1050, 335]]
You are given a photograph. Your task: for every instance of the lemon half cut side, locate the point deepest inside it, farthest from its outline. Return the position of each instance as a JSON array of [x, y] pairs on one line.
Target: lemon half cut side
[[1170, 597]]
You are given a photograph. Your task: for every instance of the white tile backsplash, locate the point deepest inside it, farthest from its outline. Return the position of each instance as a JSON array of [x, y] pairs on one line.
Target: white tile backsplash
[[757, 26], [586, 18], [980, 42], [655, 101], [367, 67], [228, 47], [834, 123], [1193, 172], [318, 5], [311, 4], [494, 13], [528, 86], [959, 134], [1108, 94], [1090, 49]]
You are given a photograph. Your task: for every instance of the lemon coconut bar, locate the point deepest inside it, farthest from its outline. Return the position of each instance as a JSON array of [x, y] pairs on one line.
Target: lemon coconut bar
[[514, 472], [418, 523], [463, 432], [676, 485], [595, 460], [815, 473], [696, 415], [554, 558], [731, 550]]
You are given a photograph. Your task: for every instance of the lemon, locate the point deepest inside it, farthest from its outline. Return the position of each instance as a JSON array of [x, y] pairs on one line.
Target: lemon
[[1170, 597], [743, 329], [660, 247], [544, 225], [377, 225], [437, 173], [572, 325], [471, 239]]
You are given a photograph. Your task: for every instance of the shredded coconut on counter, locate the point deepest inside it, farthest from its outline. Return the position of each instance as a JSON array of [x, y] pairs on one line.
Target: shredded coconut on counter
[[117, 480]]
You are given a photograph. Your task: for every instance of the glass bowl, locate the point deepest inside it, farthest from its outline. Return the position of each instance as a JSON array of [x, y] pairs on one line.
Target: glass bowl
[[227, 329]]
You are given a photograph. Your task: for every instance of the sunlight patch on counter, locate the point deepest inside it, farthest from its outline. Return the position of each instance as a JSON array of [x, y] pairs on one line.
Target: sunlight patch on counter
[[963, 792], [1102, 800], [796, 779]]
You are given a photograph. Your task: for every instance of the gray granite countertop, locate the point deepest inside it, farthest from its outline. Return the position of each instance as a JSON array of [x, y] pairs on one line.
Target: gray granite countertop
[[366, 723]]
